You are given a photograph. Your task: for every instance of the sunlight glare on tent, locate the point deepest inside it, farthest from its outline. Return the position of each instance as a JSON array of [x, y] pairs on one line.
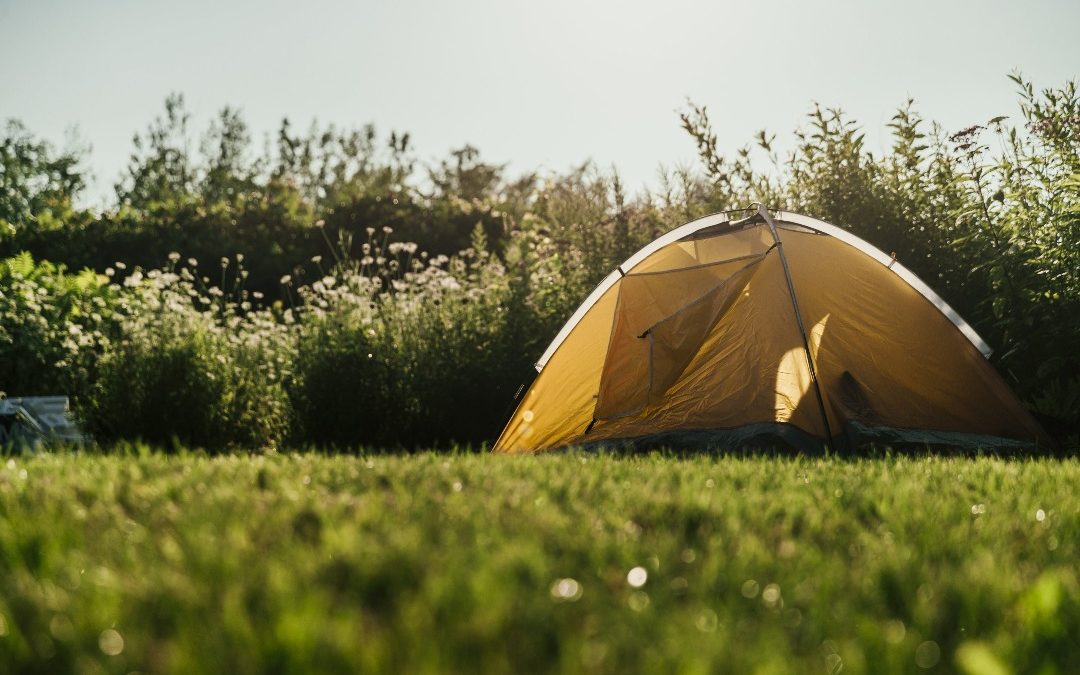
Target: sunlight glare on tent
[[792, 376]]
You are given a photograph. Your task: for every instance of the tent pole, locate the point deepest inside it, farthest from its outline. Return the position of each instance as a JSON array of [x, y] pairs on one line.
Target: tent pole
[[764, 213]]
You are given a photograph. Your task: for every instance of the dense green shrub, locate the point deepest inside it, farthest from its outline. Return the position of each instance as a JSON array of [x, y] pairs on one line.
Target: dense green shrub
[[343, 395], [192, 364], [430, 359], [52, 326], [1021, 231], [179, 379]]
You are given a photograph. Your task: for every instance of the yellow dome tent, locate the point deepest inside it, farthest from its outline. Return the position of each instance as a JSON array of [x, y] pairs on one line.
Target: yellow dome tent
[[772, 328]]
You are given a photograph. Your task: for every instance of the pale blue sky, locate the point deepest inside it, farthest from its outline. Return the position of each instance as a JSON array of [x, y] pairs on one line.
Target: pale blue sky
[[538, 84]]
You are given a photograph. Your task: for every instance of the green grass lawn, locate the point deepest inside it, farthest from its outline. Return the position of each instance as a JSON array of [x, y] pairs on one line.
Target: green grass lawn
[[563, 563]]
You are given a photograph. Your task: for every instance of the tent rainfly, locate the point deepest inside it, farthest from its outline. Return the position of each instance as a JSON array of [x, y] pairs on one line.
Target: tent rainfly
[[770, 329]]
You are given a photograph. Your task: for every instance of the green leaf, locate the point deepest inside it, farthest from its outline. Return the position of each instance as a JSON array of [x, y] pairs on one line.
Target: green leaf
[[976, 658]]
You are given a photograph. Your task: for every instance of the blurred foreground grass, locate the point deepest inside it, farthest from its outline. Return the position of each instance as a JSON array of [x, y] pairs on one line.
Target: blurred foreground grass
[[568, 563]]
